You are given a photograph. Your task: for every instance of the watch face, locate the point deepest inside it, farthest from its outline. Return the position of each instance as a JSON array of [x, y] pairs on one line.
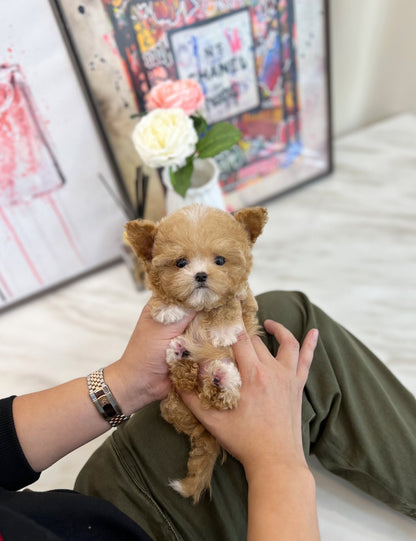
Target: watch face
[[109, 410], [103, 401]]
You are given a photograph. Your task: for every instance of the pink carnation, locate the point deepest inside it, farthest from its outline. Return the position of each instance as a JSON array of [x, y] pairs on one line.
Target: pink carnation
[[184, 94]]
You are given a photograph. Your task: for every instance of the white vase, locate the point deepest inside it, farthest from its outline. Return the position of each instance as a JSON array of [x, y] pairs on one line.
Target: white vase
[[204, 187]]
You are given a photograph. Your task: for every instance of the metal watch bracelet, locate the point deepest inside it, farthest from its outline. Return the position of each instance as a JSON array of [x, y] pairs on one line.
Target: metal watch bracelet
[[103, 399]]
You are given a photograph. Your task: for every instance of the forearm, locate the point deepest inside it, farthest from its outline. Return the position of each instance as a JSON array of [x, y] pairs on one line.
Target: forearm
[[282, 505], [54, 422], [50, 424]]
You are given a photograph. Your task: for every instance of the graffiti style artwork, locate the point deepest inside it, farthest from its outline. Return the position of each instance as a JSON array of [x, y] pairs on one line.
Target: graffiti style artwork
[[46, 228], [219, 53], [262, 64]]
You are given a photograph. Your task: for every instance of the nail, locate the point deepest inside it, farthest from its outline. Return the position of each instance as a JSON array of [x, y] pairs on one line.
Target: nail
[[315, 336]]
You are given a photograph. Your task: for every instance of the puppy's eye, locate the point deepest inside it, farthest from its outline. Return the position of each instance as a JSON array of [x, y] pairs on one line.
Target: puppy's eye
[[219, 260], [182, 262]]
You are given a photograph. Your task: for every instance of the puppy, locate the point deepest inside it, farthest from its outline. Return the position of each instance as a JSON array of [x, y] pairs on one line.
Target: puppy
[[199, 258]]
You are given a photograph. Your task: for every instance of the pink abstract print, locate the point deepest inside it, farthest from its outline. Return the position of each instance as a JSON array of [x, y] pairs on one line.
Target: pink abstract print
[[51, 163], [27, 165], [29, 173]]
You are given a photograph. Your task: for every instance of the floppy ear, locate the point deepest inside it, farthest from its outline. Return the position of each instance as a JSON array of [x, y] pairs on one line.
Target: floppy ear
[[253, 220], [140, 234]]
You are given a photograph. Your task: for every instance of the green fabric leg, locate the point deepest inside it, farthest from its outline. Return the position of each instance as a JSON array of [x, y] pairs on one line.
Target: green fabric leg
[[357, 418]]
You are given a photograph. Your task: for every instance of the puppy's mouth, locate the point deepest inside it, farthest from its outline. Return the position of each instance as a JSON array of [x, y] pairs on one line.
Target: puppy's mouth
[[201, 291], [202, 297]]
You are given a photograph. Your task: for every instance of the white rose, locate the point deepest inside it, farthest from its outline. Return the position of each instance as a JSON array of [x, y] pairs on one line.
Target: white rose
[[165, 137]]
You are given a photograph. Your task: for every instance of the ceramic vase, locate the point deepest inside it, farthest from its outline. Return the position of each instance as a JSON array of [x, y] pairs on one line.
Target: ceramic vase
[[204, 187]]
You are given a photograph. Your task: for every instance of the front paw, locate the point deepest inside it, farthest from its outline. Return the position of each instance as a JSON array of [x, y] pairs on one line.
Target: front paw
[[221, 384], [169, 314], [225, 336], [177, 351]]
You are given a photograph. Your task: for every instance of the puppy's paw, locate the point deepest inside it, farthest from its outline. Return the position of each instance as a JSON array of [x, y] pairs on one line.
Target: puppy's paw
[[177, 351], [221, 382], [169, 314], [225, 336]]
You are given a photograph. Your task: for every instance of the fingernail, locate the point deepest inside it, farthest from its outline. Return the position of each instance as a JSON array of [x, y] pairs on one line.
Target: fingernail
[[315, 336], [267, 323]]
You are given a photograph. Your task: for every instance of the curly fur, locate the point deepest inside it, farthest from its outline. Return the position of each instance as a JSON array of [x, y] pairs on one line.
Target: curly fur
[[199, 258]]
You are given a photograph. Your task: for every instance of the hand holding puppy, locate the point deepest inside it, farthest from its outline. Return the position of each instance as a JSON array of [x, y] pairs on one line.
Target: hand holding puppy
[[142, 372], [265, 427], [264, 433]]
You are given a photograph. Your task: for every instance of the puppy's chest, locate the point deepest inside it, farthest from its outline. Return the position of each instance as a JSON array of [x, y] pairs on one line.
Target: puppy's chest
[[218, 331]]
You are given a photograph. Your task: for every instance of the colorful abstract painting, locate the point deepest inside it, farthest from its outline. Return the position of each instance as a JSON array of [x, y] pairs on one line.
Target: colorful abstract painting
[[263, 66], [57, 218]]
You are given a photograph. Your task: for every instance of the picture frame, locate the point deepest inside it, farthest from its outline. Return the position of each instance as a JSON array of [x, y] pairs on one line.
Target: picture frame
[[58, 220], [282, 106]]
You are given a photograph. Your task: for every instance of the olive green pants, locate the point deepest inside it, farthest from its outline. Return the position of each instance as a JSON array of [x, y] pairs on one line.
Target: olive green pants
[[357, 419]]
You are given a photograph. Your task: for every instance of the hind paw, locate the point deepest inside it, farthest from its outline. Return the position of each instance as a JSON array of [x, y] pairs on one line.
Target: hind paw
[[221, 384]]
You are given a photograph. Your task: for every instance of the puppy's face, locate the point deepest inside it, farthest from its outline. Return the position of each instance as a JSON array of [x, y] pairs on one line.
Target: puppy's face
[[197, 257], [200, 258]]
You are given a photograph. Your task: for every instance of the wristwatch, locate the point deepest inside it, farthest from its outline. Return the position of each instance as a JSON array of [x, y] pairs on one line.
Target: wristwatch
[[104, 400]]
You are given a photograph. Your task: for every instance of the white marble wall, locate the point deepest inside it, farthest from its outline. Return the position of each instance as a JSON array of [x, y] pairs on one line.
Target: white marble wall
[[348, 241]]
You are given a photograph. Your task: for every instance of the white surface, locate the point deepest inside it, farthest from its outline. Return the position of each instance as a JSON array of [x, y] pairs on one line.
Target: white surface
[[347, 241]]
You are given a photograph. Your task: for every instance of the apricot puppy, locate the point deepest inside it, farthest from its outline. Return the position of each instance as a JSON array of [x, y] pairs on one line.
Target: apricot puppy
[[199, 258]]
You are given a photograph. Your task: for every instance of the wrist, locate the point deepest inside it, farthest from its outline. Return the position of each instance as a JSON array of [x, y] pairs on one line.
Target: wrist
[[259, 471], [131, 390], [104, 400], [283, 497]]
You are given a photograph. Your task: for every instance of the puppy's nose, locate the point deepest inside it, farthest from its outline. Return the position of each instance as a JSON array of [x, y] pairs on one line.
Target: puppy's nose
[[201, 277]]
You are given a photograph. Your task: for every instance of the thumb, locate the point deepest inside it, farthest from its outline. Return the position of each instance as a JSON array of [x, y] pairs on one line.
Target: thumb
[[181, 325], [191, 400], [207, 417]]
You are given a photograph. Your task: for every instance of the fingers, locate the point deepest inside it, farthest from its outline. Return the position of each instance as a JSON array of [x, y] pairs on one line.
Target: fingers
[[245, 354], [181, 325], [204, 416], [261, 349], [306, 355], [192, 401], [290, 354], [288, 351], [171, 330]]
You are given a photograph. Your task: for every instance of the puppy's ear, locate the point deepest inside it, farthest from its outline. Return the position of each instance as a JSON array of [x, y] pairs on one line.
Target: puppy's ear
[[140, 234], [253, 220]]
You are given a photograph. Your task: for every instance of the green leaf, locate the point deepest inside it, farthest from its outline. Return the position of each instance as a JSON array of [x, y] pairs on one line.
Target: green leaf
[[200, 124], [181, 178], [138, 115], [220, 137]]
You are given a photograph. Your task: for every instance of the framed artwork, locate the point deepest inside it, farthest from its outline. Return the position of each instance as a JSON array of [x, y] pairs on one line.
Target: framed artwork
[[57, 218], [263, 65], [219, 53]]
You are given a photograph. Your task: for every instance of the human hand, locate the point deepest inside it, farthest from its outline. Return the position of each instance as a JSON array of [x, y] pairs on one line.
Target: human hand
[[265, 426], [142, 371]]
